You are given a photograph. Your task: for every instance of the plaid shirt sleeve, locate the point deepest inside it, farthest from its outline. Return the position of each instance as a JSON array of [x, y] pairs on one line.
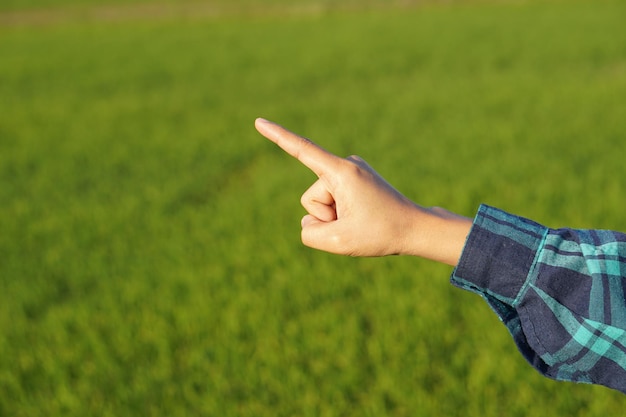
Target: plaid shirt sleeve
[[560, 292]]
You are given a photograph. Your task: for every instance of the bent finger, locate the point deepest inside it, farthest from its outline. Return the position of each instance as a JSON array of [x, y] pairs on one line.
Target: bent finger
[[319, 202], [326, 236]]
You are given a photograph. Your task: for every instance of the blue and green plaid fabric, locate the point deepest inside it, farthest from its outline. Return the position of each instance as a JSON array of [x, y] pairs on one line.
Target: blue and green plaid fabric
[[560, 292]]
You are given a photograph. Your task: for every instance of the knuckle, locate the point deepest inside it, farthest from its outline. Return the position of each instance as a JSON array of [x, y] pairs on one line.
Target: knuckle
[[305, 199], [353, 168]]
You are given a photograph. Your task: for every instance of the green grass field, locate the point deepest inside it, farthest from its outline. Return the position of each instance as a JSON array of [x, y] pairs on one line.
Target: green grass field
[[150, 261]]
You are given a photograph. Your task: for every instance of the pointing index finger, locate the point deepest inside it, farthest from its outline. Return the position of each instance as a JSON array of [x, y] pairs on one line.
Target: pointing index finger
[[316, 158]]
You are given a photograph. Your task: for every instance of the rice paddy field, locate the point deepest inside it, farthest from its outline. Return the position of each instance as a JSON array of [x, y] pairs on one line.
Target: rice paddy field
[[150, 258]]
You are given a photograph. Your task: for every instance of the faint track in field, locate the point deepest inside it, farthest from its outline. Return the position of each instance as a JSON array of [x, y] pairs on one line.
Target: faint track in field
[[111, 13], [189, 11]]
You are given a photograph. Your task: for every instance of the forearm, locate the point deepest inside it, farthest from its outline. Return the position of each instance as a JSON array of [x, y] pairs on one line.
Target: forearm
[[437, 234]]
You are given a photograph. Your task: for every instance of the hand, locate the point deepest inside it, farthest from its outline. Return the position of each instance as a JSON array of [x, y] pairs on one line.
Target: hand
[[353, 211]]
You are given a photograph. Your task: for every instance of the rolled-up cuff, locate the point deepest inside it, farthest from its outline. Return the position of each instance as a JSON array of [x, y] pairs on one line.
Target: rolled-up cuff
[[499, 253]]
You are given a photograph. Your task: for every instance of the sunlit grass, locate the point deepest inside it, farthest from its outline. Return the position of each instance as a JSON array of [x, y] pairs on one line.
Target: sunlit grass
[[150, 261]]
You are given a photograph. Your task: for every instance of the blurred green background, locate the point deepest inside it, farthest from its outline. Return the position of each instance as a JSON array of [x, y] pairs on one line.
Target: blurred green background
[[150, 261]]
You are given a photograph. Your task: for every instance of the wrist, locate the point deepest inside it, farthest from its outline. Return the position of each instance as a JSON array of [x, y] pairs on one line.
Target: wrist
[[437, 234]]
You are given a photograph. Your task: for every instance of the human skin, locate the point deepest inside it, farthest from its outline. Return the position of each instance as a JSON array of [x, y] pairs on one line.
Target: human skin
[[352, 210]]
